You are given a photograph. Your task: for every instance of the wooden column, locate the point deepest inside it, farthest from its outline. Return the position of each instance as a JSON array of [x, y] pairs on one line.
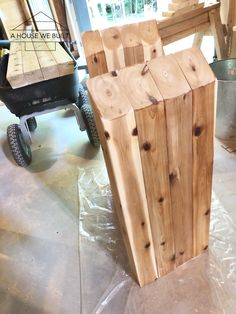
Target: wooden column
[[148, 106], [202, 82], [117, 131], [178, 107]]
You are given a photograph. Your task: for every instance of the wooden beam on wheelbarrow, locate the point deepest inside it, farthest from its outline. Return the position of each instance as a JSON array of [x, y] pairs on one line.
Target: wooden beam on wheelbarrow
[[15, 74]]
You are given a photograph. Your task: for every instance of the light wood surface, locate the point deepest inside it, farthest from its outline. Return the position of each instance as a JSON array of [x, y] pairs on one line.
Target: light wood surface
[[151, 130], [178, 106], [202, 81], [31, 67], [176, 6], [113, 48], [94, 53], [15, 73], [185, 9], [116, 47], [217, 31], [46, 60], [124, 159], [33, 60]]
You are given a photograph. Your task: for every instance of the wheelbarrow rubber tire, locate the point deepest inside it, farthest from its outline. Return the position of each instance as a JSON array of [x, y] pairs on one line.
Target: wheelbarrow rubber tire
[[20, 150], [87, 114], [82, 98], [32, 124]]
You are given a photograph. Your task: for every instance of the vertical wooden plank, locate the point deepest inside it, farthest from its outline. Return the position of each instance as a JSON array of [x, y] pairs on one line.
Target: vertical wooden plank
[[178, 107], [116, 130], [94, 53], [151, 40], [132, 44], [113, 48], [148, 105], [197, 41], [202, 81], [217, 31], [229, 9]]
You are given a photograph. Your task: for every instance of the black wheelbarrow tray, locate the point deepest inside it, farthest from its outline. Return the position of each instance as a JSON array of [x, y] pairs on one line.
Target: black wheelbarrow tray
[[30, 101]]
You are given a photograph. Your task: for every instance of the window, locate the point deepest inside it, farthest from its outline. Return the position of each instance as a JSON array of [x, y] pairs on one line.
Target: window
[[105, 13]]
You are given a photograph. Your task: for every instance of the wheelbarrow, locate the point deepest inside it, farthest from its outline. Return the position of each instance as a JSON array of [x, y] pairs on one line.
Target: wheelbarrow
[[40, 98]]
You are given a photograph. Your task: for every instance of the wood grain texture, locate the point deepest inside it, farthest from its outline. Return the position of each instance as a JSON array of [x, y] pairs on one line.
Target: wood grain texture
[[132, 44], [15, 74], [46, 60], [33, 60], [65, 63], [125, 164], [178, 107], [151, 131], [202, 81], [177, 27], [179, 142], [203, 152], [12, 15], [151, 40], [218, 33], [94, 53], [183, 10], [176, 6], [31, 67], [113, 48]]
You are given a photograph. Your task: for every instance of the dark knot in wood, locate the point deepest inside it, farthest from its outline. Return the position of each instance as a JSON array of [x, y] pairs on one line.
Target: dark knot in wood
[[153, 100], [161, 200], [197, 131], [172, 176], [135, 132], [114, 73], [173, 258], [107, 135], [146, 146], [147, 245]]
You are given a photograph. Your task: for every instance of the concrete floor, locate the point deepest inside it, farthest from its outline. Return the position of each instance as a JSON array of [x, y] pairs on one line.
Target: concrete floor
[[39, 271], [39, 211]]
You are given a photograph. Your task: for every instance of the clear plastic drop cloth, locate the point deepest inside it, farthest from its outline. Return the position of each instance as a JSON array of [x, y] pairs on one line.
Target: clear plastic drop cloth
[[206, 284]]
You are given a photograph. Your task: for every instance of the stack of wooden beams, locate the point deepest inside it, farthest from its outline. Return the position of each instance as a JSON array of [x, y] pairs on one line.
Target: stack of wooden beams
[[32, 60], [177, 7], [155, 121], [117, 47]]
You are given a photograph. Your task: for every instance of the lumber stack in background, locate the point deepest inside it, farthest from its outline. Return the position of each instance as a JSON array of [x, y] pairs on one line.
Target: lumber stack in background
[[178, 7], [155, 121]]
